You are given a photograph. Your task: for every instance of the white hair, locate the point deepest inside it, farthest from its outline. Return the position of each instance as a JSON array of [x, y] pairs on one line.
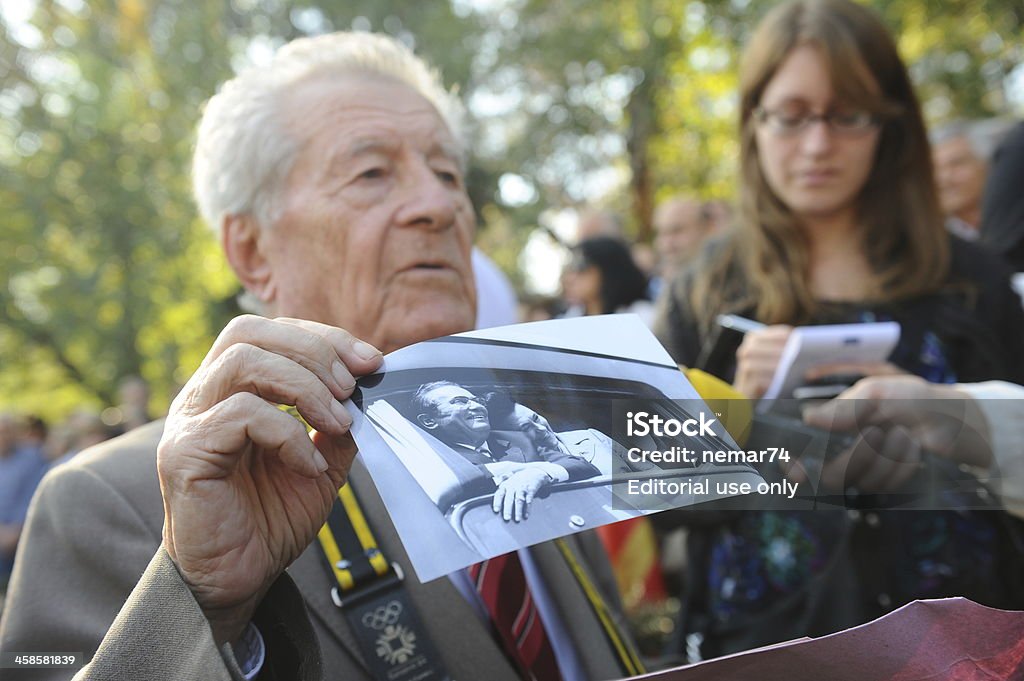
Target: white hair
[[244, 153], [983, 135]]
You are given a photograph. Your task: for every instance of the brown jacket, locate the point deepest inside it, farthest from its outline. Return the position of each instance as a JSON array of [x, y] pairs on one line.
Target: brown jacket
[[91, 561]]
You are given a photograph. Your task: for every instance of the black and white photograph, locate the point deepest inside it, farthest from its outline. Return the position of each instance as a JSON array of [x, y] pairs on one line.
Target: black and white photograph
[[484, 443]]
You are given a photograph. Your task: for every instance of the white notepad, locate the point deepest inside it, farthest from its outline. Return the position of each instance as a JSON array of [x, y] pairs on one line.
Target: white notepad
[[811, 346]]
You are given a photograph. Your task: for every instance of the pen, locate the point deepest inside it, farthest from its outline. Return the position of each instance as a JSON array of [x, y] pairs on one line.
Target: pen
[[737, 323]]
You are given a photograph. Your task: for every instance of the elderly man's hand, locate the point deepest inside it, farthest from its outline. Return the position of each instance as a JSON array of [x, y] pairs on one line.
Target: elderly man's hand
[[898, 419], [514, 495], [245, 488]]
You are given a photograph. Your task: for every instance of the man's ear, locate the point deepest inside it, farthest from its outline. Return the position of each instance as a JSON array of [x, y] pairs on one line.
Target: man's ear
[[244, 242], [427, 421]]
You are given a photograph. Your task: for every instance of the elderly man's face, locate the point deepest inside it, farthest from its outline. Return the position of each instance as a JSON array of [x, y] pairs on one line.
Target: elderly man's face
[[458, 416], [960, 175], [376, 227], [536, 427], [678, 231]]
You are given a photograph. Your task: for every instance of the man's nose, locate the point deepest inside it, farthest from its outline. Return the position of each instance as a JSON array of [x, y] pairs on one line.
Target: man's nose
[[431, 200]]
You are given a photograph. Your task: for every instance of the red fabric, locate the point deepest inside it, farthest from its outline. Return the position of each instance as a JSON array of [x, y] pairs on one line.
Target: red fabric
[[502, 586]]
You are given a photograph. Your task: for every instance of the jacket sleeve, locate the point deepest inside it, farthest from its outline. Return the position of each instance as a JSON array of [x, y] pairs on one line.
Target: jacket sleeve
[[82, 551], [577, 468], [92, 578]]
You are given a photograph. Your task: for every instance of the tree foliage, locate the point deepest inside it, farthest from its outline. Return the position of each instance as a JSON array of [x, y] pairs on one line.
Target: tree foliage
[[109, 272]]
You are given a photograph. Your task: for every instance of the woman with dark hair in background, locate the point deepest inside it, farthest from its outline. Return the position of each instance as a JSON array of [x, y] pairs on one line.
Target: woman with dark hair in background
[[839, 223], [603, 278]]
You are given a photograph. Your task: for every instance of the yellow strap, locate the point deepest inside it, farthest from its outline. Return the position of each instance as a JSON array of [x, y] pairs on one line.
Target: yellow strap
[[629, 658], [333, 553], [362, 528], [366, 539], [359, 524]]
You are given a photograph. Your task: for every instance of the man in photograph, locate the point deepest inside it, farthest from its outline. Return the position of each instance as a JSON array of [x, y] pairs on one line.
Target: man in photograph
[[517, 471], [334, 177], [509, 417]]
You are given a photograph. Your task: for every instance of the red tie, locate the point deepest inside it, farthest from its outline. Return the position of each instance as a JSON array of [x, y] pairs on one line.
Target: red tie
[[502, 586]]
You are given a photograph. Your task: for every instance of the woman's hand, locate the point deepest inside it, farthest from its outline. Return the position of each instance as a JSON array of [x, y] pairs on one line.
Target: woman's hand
[[757, 358]]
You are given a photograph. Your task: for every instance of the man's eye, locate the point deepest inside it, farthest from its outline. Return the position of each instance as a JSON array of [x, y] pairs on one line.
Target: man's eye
[[371, 174], [460, 400], [447, 177]]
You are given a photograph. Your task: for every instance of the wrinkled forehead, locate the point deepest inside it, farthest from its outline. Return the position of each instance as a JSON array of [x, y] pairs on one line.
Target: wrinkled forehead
[[953, 148], [333, 110], [447, 393]]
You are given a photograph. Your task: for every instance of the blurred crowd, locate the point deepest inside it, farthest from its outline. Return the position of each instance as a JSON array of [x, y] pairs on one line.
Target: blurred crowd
[[29, 447]]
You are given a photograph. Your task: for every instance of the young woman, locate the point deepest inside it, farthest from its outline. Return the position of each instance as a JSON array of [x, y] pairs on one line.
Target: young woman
[[839, 219], [839, 222]]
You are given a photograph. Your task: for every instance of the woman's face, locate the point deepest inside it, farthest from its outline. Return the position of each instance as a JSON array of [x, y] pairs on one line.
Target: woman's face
[[817, 169], [581, 283]]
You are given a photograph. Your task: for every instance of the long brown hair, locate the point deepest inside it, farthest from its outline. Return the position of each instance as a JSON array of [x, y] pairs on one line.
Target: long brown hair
[[897, 209]]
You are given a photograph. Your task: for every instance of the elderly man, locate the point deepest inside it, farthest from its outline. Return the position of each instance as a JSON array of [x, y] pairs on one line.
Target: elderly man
[[961, 153], [607, 456], [335, 178], [681, 223], [515, 471]]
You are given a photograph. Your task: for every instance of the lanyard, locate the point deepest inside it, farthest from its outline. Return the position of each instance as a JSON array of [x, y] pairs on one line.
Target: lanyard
[[628, 657], [371, 595]]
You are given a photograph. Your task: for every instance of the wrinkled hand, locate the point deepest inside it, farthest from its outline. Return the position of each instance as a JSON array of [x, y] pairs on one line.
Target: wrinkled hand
[[757, 358], [898, 419], [245, 489], [514, 495]]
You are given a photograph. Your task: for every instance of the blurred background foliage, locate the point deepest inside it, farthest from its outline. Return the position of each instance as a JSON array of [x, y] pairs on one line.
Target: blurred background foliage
[[108, 272]]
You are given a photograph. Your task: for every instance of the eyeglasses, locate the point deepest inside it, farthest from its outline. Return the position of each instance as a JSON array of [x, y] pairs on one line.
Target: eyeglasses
[[844, 122]]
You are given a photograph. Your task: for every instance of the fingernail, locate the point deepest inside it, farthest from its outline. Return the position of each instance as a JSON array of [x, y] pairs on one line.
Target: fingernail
[[365, 350], [319, 461], [342, 376], [341, 414]]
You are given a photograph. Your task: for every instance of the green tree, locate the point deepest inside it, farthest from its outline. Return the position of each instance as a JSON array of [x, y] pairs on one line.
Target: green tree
[[109, 271]]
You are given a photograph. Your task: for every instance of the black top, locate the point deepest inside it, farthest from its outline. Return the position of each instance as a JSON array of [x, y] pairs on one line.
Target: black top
[[970, 330], [1002, 213]]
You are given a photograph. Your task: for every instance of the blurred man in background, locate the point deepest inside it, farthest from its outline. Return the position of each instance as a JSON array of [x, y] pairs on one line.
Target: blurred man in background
[[681, 224], [961, 153], [21, 468]]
